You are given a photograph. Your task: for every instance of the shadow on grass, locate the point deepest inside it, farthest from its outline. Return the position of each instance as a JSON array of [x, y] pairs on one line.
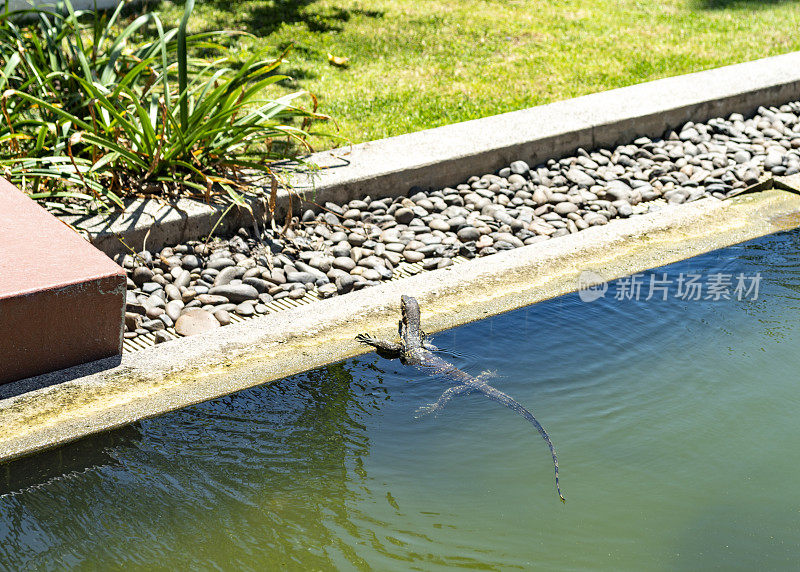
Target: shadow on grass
[[738, 4], [265, 18], [296, 74]]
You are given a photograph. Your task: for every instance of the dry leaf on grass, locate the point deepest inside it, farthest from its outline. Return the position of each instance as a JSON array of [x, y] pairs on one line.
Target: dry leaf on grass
[[338, 61]]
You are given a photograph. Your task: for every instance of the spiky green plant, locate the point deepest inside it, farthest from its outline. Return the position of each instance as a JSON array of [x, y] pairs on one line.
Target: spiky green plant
[[94, 115]]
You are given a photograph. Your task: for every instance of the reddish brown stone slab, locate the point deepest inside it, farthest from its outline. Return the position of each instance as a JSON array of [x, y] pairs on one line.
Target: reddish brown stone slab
[[61, 300]]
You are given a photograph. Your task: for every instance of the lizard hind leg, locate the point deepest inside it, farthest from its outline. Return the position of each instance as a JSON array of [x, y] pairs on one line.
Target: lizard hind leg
[[488, 374], [449, 394], [452, 392], [424, 410]]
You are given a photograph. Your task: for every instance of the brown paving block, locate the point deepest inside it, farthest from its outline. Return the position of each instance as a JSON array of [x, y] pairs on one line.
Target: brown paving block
[[61, 300]]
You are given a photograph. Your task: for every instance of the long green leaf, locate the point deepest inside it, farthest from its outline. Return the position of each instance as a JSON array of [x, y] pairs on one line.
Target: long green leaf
[[164, 64], [52, 108], [114, 146], [108, 72], [111, 108], [182, 71], [11, 64]]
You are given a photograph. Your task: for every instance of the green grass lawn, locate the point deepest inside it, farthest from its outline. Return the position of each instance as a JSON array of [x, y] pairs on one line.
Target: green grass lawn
[[415, 64]]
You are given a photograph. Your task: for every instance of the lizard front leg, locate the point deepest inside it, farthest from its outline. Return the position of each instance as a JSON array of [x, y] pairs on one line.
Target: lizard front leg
[[384, 348], [427, 345]]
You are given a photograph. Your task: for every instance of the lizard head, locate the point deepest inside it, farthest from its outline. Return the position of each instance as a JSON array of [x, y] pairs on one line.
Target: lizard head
[[409, 308], [409, 322]]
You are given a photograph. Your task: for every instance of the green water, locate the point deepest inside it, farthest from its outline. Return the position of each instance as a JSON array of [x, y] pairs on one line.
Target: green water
[[676, 424]]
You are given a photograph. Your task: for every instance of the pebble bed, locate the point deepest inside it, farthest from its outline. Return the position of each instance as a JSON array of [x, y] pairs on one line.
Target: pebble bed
[[193, 287]]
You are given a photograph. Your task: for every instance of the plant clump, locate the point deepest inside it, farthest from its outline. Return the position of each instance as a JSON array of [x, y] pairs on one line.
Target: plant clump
[[94, 112]]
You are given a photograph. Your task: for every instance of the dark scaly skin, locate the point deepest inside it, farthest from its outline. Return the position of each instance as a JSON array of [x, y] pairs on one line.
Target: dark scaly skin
[[413, 350]]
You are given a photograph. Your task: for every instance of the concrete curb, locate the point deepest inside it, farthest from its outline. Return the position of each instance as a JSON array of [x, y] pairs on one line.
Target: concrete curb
[[53, 409], [448, 155]]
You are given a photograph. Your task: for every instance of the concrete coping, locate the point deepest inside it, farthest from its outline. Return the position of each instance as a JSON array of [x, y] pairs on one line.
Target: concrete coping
[[448, 155], [39, 413]]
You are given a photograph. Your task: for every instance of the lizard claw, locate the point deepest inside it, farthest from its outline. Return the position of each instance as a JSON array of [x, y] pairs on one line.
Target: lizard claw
[[364, 339]]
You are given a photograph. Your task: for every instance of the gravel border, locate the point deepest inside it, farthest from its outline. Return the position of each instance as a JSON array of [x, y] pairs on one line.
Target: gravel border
[[196, 286], [55, 408]]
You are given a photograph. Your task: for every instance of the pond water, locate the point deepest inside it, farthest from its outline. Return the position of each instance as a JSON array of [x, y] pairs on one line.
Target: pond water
[[675, 423]]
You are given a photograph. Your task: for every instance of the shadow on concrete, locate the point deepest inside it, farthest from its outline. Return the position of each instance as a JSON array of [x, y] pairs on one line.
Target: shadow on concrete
[[15, 388]]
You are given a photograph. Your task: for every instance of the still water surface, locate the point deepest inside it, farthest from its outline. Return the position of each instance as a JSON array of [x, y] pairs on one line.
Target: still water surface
[[676, 424]]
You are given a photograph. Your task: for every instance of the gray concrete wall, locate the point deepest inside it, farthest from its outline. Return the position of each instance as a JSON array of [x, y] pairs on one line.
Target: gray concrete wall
[[448, 155]]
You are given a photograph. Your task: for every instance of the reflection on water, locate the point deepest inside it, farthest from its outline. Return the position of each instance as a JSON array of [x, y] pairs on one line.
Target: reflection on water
[[220, 481], [675, 423], [64, 462]]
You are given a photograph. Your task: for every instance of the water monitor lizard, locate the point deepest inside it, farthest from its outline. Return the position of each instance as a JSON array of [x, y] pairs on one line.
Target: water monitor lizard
[[412, 349]]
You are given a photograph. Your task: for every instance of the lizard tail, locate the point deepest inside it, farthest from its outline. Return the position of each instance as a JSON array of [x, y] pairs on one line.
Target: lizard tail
[[497, 395], [529, 416]]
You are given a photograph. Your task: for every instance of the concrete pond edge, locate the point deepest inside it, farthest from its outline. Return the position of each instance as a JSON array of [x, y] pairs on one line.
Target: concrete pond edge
[[54, 409]]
